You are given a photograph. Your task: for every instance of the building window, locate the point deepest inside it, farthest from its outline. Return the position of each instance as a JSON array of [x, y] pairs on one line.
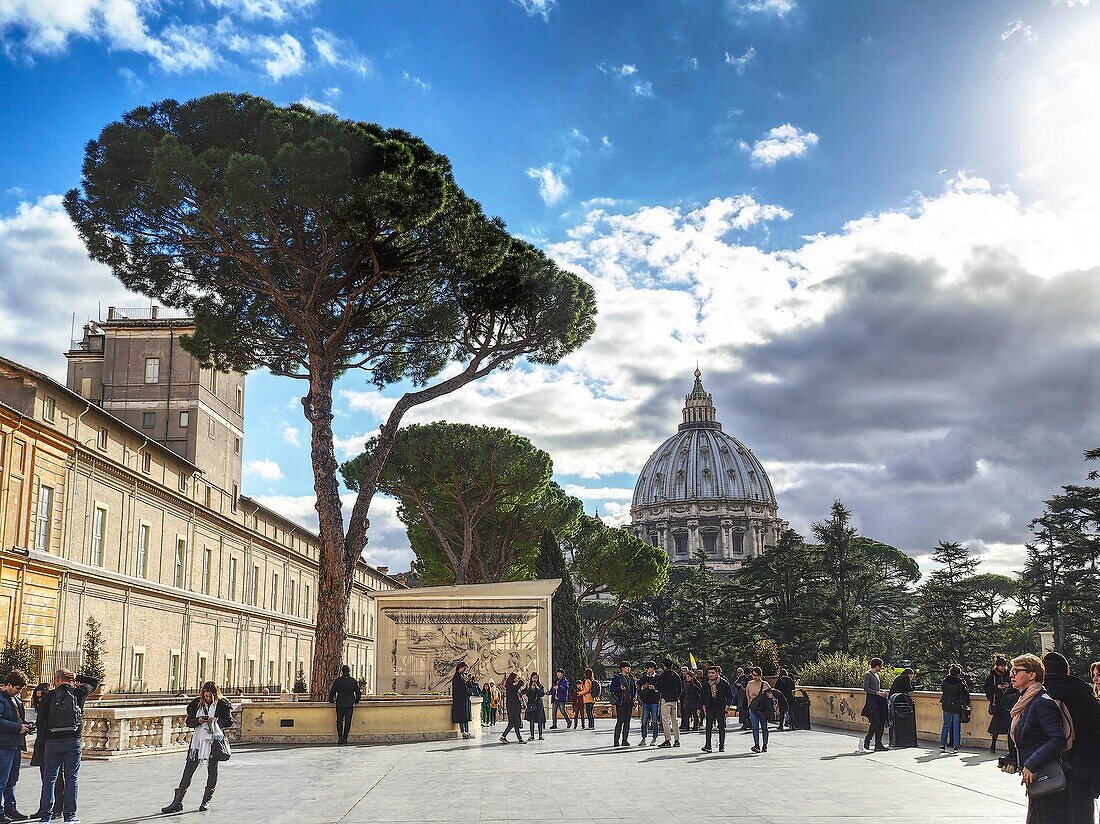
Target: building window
[[236, 446], [251, 671], [308, 604], [230, 675], [288, 683], [86, 388], [275, 605], [50, 409], [710, 543], [236, 495], [146, 462], [185, 419], [271, 673], [143, 551], [681, 540], [207, 556], [255, 587], [99, 524], [738, 543], [148, 420], [292, 609], [231, 594], [239, 405], [210, 428], [101, 440], [181, 553], [137, 672], [206, 496], [174, 672], [152, 370], [200, 670], [45, 512], [183, 482], [214, 381]]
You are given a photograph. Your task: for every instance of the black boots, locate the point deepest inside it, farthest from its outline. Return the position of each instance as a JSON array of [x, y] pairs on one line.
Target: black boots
[[207, 794], [177, 803]]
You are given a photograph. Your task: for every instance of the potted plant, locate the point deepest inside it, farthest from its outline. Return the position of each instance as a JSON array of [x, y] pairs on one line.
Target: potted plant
[[93, 649]]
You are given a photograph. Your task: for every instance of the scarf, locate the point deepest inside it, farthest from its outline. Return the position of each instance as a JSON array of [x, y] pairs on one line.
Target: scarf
[[204, 735], [1026, 698]]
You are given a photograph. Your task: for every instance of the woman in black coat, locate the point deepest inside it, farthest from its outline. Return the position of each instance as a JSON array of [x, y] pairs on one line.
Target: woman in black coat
[[38, 758], [1037, 726], [460, 700], [512, 687], [997, 683], [209, 717], [536, 712]]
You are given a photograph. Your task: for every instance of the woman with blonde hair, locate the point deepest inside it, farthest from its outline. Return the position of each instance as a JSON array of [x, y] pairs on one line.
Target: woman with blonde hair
[[209, 716], [1039, 730]]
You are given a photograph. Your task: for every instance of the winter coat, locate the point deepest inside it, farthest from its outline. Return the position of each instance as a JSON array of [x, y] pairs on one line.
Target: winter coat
[[693, 696], [345, 692], [1000, 719], [11, 723], [670, 685], [648, 690], [1084, 711], [561, 691], [723, 697], [85, 686], [623, 689], [954, 696], [535, 710], [1039, 735], [785, 686], [223, 713], [460, 700], [903, 684], [512, 701]]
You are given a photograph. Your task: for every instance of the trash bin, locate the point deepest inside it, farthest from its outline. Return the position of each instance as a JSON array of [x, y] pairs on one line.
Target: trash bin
[[800, 711], [903, 730]]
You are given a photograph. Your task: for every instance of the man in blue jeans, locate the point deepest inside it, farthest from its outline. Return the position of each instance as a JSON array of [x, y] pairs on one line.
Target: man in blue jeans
[[650, 695], [61, 721], [13, 733]]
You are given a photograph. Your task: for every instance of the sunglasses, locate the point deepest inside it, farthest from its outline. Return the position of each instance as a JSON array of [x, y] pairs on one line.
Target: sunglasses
[[1016, 670]]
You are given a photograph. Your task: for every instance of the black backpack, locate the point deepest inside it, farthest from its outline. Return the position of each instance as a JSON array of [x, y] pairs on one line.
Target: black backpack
[[66, 714], [595, 690]]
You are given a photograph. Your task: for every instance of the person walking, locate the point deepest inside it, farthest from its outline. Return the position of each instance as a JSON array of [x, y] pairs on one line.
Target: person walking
[[785, 687], [209, 717], [758, 692], [874, 707], [13, 740], [1040, 731], [997, 683], [671, 687], [953, 697], [513, 706], [717, 696], [589, 698], [692, 700], [38, 757], [623, 691], [650, 698], [61, 720], [345, 694], [1083, 756], [460, 700], [536, 710], [560, 699]]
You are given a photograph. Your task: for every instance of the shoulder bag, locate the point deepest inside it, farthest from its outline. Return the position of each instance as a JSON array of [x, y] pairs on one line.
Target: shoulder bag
[[1048, 780]]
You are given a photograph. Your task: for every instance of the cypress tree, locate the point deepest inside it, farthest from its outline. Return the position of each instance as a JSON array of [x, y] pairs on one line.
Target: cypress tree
[[566, 633]]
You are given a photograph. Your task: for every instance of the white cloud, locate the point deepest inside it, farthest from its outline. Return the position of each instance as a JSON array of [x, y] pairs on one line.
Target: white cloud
[[740, 62], [292, 435], [1018, 27], [777, 8], [340, 53], [265, 470], [423, 85], [327, 105], [606, 144], [286, 56], [537, 8], [551, 182], [627, 74], [274, 10], [780, 143], [1071, 4]]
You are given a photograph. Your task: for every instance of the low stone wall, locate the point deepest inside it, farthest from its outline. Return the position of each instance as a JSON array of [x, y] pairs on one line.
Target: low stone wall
[[113, 732], [841, 708], [377, 720]]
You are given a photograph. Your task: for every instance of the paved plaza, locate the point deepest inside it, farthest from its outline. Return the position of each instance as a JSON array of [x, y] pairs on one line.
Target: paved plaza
[[575, 776]]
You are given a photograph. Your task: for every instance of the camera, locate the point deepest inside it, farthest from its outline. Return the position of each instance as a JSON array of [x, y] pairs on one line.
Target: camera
[[1007, 764]]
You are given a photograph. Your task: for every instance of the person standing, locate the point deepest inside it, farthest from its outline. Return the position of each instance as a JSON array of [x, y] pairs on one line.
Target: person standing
[[209, 716], [903, 684], [997, 683], [623, 691], [671, 687], [739, 686], [785, 686], [758, 692], [693, 699], [61, 720], [460, 700], [13, 739], [578, 705], [1083, 757], [650, 698], [536, 710], [874, 707], [38, 757], [513, 705], [486, 703], [1039, 729], [494, 702], [560, 699], [717, 695], [953, 697], [589, 698], [345, 694]]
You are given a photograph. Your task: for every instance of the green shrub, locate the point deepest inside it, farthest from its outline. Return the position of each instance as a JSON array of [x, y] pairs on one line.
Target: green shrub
[[840, 670], [93, 648], [18, 655], [765, 654], [300, 686]]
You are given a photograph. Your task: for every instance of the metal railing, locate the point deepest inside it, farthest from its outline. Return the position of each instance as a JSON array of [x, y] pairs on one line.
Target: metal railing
[[146, 313]]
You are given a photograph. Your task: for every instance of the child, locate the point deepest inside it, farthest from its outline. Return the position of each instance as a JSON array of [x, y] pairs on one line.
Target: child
[[486, 704], [578, 705], [494, 703]]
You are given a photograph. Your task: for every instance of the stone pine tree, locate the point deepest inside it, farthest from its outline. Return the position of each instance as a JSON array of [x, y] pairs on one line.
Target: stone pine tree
[[568, 643], [315, 247], [93, 649], [836, 535]]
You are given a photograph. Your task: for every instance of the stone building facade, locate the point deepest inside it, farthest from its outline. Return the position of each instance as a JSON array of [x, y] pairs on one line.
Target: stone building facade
[[190, 580], [704, 491]]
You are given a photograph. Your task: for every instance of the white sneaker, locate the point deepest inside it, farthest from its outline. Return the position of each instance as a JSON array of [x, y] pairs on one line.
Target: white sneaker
[[860, 747]]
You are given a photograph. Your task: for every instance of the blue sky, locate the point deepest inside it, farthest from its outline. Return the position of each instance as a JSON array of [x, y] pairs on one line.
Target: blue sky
[[735, 176]]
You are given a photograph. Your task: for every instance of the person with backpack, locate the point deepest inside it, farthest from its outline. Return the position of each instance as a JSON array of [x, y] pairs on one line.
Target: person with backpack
[[590, 691], [1083, 757], [13, 740], [61, 721], [345, 693], [622, 692], [209, 716], [1041, 731], [785, 687]]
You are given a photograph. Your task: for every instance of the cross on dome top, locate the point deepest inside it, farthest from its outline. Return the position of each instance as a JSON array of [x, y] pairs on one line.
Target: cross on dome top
[[699, 411]]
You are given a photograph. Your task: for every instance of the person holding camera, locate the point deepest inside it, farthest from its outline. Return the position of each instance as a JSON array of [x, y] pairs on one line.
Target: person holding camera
[[209, 716], [13, 740], [61, 721]]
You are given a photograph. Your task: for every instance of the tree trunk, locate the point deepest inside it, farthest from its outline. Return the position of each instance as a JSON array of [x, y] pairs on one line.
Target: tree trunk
[[335, 578]]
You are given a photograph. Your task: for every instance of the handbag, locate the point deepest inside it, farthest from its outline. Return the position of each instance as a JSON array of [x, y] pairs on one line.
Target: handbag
[[1048, 780], [964, 714], [225, 752]]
